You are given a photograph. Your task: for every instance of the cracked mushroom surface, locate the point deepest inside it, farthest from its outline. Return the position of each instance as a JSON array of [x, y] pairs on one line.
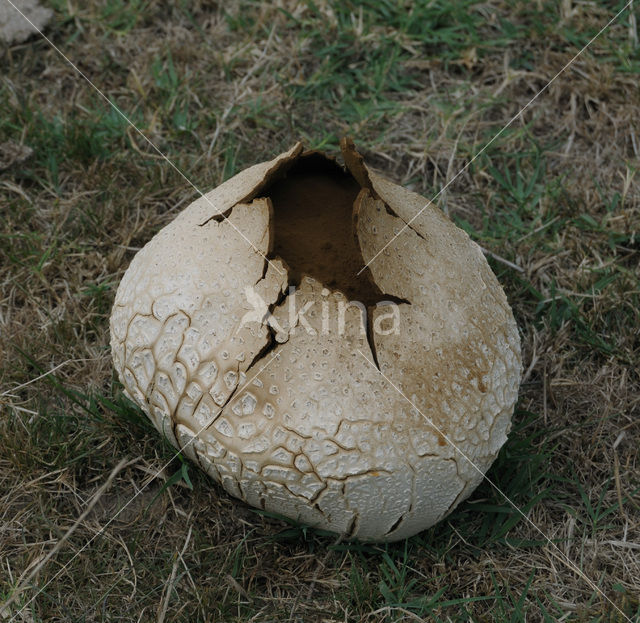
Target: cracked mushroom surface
[[366, 403]]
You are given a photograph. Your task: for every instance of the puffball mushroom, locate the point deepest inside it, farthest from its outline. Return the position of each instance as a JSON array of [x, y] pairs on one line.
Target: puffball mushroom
[[373, 432]]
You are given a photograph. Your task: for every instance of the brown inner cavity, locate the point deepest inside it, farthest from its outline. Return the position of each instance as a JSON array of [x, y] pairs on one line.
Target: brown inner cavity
[[313, 227]]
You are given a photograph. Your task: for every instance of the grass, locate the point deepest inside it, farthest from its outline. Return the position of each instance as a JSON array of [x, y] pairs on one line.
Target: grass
[[422, 87]]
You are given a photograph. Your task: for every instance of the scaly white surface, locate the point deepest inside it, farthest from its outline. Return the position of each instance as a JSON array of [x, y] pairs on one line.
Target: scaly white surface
[[320, 436]]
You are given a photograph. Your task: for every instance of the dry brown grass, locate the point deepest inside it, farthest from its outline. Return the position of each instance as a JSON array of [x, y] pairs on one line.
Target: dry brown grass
[[69, 229]]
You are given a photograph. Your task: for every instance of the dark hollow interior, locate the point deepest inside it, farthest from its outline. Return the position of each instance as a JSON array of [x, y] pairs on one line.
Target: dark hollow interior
[[313, 227]]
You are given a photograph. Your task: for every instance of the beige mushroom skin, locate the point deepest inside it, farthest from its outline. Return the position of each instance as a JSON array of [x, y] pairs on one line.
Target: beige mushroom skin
[[376, 435]]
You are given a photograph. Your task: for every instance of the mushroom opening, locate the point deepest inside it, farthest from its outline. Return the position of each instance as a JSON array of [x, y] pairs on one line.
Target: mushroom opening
[[313, 227]]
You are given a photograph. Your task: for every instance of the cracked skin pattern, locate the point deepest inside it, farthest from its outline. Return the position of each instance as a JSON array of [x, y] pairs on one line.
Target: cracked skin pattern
[[298, 423]]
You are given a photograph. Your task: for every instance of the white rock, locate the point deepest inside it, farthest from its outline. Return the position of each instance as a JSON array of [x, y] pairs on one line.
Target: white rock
[[14, 28]]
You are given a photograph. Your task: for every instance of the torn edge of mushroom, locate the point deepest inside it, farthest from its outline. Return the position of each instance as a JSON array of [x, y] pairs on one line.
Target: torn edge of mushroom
[[260, 178]]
